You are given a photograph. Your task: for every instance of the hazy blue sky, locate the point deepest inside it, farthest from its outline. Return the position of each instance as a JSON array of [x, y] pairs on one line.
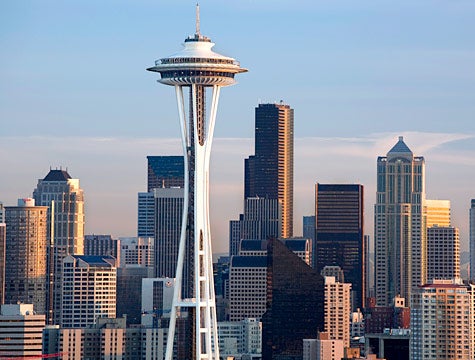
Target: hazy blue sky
[[74, 92]]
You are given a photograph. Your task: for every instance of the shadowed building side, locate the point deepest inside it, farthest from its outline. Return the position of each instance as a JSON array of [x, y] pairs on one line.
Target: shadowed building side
[[295, 304]]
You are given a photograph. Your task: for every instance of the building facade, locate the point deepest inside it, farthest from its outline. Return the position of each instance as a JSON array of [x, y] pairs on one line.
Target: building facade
[[247, 287], [25, 254], [129, 290], [169, 213], [400, 224], [270, 172], [146, 214], [339, 239], [136, 251], [295, 304], [437, 212], [165, 172], [88, 290], [21, 331], [65, 200], [100, 245], [440, 327], [337, 310], [443, 253], [240, 338]]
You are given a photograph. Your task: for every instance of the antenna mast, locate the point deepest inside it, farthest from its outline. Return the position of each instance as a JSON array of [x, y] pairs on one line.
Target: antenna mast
[[198, 19]]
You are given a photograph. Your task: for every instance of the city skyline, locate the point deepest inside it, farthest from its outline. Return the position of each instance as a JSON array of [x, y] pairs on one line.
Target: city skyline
[[371, 81]]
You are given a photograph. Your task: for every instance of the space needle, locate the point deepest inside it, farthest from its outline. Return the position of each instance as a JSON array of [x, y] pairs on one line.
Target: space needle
[[198, 70]]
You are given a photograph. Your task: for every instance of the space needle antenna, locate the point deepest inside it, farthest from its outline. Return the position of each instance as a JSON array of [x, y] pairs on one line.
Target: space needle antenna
[[197, 19]]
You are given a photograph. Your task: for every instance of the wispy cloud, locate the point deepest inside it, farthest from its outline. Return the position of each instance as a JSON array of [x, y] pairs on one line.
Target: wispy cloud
[[113, 169]]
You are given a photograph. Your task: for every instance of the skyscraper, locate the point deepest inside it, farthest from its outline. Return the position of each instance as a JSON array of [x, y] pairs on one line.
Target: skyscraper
[[196, 68], [400, 224], [65, 200], [25, 249], [472, 240], [339, 238], [270, 172]]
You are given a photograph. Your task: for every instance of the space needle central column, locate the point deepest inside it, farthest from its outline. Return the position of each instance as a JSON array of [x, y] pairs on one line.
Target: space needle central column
[[197, 70]]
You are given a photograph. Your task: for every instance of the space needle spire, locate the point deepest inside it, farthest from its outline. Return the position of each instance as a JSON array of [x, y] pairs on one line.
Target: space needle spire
[[198, 19], [195, 71]]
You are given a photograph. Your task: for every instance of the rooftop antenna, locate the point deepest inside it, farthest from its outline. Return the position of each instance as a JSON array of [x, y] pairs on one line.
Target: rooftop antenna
[[197, 19]]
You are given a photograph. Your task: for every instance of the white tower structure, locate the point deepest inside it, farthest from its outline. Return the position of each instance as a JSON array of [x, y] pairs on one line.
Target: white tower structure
[[198, 69]]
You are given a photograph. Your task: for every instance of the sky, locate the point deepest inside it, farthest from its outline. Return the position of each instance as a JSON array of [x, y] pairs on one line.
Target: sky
[[74, 93]]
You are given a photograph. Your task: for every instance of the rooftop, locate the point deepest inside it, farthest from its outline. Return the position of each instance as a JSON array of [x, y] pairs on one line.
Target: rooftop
[[57, 175], [400, 147]]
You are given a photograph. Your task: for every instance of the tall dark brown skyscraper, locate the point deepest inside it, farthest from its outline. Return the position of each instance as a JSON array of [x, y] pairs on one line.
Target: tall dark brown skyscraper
[[339, 234], [270, 172]]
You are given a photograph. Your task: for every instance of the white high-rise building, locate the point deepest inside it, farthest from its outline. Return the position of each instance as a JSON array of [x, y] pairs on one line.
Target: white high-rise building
[[440, 321], [443, 253], [400, 224], [21, 331], [88, 290], [65, 200], [337, 307]]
